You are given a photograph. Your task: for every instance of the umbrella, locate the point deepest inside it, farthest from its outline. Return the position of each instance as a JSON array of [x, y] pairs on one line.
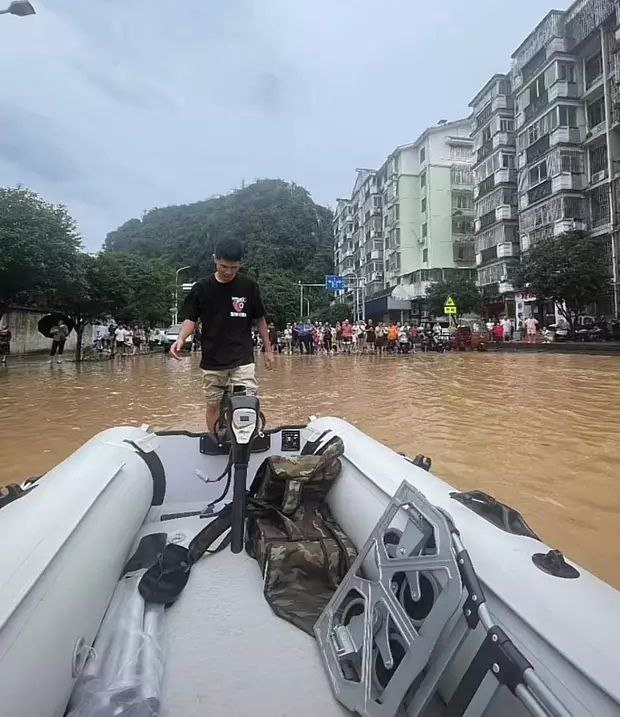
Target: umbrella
[[49, 320]]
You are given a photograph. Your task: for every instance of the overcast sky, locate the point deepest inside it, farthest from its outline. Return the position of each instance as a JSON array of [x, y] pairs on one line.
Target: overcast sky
[[116, 106]]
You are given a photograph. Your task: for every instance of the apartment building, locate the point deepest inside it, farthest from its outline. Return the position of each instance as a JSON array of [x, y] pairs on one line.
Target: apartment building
[[411, 221], [495, 193], [565, 81]]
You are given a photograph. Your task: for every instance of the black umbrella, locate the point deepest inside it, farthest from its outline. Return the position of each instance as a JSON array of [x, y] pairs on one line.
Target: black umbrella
[[47, 322]]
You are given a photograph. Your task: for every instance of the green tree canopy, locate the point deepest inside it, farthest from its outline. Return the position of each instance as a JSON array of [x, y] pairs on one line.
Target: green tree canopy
[[39, 246], [288, 238], [462, 289], [571, 270]]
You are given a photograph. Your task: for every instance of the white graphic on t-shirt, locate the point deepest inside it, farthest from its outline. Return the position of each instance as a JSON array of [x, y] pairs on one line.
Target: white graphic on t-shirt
[[238, 303]]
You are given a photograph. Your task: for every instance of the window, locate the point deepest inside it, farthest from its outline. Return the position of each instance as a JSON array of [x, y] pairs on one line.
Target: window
[[424, 230], [461, 174], [571, 161], [532, 134], [568, 116], [397, 212], [503, 87], [508, 161], [461, 225], [423, 205], [460, 151], [425, 255], [462, 200], [422, 155], [598, 159], [376, 201], [537, 88], [594, 68], [423, 179], [486, 134], [506, 125], [566, 71], [596, 112], [538, 173]]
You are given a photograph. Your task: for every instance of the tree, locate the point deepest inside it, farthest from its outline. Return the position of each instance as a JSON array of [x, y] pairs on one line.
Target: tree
[[461, 288], [336, 313], [288, 238], [571, 270], [39, 245]]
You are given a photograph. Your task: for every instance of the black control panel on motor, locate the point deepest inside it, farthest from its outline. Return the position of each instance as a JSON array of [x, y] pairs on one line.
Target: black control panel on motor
[[291, 440]]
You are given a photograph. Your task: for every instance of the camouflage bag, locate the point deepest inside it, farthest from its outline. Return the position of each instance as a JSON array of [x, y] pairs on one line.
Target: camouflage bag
[[302, 551]]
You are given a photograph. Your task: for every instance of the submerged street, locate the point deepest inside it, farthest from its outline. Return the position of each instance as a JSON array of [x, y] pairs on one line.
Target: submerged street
[[539, 432]]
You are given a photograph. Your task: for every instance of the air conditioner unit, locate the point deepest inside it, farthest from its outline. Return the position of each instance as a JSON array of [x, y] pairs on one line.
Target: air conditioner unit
[[598, 176]]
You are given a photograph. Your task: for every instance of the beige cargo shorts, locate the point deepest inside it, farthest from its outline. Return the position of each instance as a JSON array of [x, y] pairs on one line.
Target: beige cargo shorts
[[214, 382]]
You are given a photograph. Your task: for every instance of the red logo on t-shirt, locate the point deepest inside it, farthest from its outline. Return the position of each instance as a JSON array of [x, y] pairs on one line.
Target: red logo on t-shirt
[[238, 303]]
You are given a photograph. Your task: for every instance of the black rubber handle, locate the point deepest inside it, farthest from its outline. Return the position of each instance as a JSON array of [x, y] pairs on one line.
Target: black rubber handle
[[237, 530]]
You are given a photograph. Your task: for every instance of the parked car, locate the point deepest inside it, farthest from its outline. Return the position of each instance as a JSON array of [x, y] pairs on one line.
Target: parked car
[[157, 337], [172, 334]]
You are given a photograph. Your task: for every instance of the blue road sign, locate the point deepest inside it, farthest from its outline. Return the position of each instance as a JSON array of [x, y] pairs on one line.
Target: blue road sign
[[334, 283]]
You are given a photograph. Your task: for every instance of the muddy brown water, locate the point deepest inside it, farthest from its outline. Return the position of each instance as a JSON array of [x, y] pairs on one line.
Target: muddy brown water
[[540, 432]]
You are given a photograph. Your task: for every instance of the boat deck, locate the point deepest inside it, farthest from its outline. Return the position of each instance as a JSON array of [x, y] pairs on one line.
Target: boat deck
[[228, 655]]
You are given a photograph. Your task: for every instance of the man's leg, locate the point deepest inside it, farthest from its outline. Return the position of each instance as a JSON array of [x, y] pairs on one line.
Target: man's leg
[[214, 384]]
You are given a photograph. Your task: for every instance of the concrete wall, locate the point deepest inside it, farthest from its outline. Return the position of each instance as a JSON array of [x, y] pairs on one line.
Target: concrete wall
[[22, 323]]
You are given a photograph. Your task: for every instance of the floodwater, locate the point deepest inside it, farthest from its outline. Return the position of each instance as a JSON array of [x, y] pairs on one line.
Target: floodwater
[[540, 432]]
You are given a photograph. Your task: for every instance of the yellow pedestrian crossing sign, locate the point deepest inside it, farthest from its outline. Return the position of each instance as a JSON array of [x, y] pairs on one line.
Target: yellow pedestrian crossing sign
[[449, 308]]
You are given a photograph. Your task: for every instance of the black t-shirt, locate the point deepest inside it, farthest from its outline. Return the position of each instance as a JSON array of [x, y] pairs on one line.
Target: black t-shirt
[[226, 312]]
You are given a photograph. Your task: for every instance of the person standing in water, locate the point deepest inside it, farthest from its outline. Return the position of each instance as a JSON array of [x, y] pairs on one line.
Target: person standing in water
[[226, 303], [5, 342], [59, 334]]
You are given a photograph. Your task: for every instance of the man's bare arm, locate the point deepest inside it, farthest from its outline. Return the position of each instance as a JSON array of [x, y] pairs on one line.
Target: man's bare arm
[[261, 325], [187, 329]]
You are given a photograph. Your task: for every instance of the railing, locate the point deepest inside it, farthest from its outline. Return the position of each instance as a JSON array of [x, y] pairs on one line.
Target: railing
[[486, 186], [536, 150], [535, 107], [488, 254], [484, 116], [533, 65], [485, 150], [463, 251], [487, 219], [588, 18], [539, 192]]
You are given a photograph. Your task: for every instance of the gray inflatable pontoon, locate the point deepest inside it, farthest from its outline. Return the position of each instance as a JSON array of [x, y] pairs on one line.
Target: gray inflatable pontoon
[[411, 630]]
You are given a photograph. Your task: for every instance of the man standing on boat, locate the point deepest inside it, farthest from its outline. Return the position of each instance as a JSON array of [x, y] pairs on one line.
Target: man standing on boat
[[226, 303]]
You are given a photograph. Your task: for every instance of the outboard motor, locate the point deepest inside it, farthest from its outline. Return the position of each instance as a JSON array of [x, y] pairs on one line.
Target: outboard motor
[[243, 422]]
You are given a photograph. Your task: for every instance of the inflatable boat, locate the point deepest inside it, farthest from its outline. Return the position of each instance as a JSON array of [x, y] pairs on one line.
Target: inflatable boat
[[453, 605]]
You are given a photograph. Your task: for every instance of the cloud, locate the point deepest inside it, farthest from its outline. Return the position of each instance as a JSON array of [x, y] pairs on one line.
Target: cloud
[[114, 107]]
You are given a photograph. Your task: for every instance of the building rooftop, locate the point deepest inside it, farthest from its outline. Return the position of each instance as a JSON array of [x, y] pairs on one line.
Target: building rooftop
[[487, 87], [551, 14]]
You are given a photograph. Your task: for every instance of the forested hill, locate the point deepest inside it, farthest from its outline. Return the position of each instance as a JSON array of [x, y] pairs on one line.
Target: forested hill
[[287, 238]]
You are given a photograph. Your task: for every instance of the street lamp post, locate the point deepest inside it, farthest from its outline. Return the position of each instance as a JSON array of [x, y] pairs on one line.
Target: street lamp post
[[176, 293], [21, 8]]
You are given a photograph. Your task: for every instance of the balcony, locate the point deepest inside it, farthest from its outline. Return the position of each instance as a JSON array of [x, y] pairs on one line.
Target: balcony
[[566, 181], [536, 107], [504, 175], [503, 139], [486, 255], [538, 149], [565, 135], [485, 150], [561, 226], [486, 186], [375, 255], [507, 249], [540, 191], [463, 252], [502, 102], [484, 116], [562, 89], [486, 220]]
